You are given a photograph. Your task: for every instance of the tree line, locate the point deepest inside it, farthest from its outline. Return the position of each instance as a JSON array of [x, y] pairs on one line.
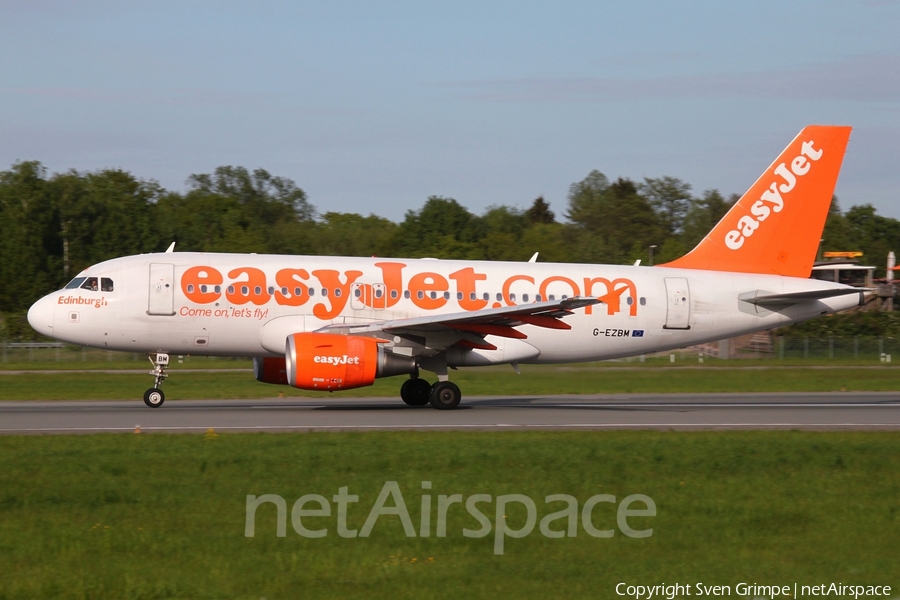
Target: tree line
[[52, 226]]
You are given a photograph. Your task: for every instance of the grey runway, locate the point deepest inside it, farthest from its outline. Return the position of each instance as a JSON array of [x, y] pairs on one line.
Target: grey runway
[[826, 411]]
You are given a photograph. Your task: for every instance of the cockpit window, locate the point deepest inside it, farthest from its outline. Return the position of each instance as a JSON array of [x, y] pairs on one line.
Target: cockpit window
[[93, 284]]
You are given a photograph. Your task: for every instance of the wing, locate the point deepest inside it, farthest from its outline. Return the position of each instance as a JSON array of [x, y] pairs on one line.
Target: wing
[[469, 329]]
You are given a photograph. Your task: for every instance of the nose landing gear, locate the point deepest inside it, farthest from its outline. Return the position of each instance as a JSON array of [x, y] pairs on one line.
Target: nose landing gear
[[154, 397]]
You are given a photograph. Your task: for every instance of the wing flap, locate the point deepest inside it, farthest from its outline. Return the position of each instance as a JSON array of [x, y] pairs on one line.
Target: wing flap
[[487, 329]]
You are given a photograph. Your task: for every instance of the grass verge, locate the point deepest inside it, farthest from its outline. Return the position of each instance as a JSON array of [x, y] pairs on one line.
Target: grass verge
[[159, 516]]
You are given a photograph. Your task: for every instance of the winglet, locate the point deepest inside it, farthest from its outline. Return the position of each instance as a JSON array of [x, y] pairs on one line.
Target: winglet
[[776, 226]]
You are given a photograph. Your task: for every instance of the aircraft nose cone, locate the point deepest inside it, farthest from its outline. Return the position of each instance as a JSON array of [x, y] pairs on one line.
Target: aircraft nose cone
[[40, 315]]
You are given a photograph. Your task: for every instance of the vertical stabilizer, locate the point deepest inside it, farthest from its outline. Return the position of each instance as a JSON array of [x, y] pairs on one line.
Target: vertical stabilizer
[[776, 226]]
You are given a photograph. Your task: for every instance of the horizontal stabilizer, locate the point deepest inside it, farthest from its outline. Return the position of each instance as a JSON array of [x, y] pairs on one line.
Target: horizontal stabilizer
[[769, 299]]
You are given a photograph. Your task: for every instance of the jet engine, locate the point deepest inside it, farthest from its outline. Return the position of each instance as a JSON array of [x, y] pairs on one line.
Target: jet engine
[[270, 370], [327, 361]]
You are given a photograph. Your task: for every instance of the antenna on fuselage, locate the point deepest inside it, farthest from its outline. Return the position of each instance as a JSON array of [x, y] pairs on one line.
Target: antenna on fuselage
[[171, 248], [533, 257]]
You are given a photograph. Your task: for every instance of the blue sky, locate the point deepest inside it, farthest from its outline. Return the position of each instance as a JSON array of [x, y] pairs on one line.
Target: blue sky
[[372, 107]]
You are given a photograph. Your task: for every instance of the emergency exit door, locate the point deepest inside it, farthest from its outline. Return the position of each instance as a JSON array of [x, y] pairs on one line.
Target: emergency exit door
[[678, 307], [162, 289], [364, 294]]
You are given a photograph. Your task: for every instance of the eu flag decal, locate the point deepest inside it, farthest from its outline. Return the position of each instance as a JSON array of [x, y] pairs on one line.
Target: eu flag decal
[[637, 333]]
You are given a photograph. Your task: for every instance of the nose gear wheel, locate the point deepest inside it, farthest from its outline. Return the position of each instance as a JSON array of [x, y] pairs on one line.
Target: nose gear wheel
[[154, 397]]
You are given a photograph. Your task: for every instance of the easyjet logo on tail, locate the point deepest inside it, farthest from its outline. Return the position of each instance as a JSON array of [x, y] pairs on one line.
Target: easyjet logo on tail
[[771, 200]]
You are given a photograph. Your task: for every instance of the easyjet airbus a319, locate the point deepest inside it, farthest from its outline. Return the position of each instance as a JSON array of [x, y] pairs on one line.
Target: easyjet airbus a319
[[325, 323]]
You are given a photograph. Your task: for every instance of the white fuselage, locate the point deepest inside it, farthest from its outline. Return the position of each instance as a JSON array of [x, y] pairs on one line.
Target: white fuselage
[[168, 303]]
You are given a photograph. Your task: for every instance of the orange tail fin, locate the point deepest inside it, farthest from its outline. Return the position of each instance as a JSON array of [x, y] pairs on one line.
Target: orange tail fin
[[776, 226]]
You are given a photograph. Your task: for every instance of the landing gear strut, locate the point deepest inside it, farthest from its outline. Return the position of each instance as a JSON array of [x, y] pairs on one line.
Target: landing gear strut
[[154, 397]]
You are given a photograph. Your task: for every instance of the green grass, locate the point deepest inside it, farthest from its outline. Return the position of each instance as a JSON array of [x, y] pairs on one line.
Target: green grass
[[535, 379], [162, 516]]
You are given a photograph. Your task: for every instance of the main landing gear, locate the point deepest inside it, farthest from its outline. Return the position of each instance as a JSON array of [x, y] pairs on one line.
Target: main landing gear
[[415, 392], [154, 397], [443, 395]]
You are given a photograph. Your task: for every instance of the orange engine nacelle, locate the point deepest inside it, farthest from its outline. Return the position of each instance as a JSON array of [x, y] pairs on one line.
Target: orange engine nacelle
[[328, 361], [270, 370]]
